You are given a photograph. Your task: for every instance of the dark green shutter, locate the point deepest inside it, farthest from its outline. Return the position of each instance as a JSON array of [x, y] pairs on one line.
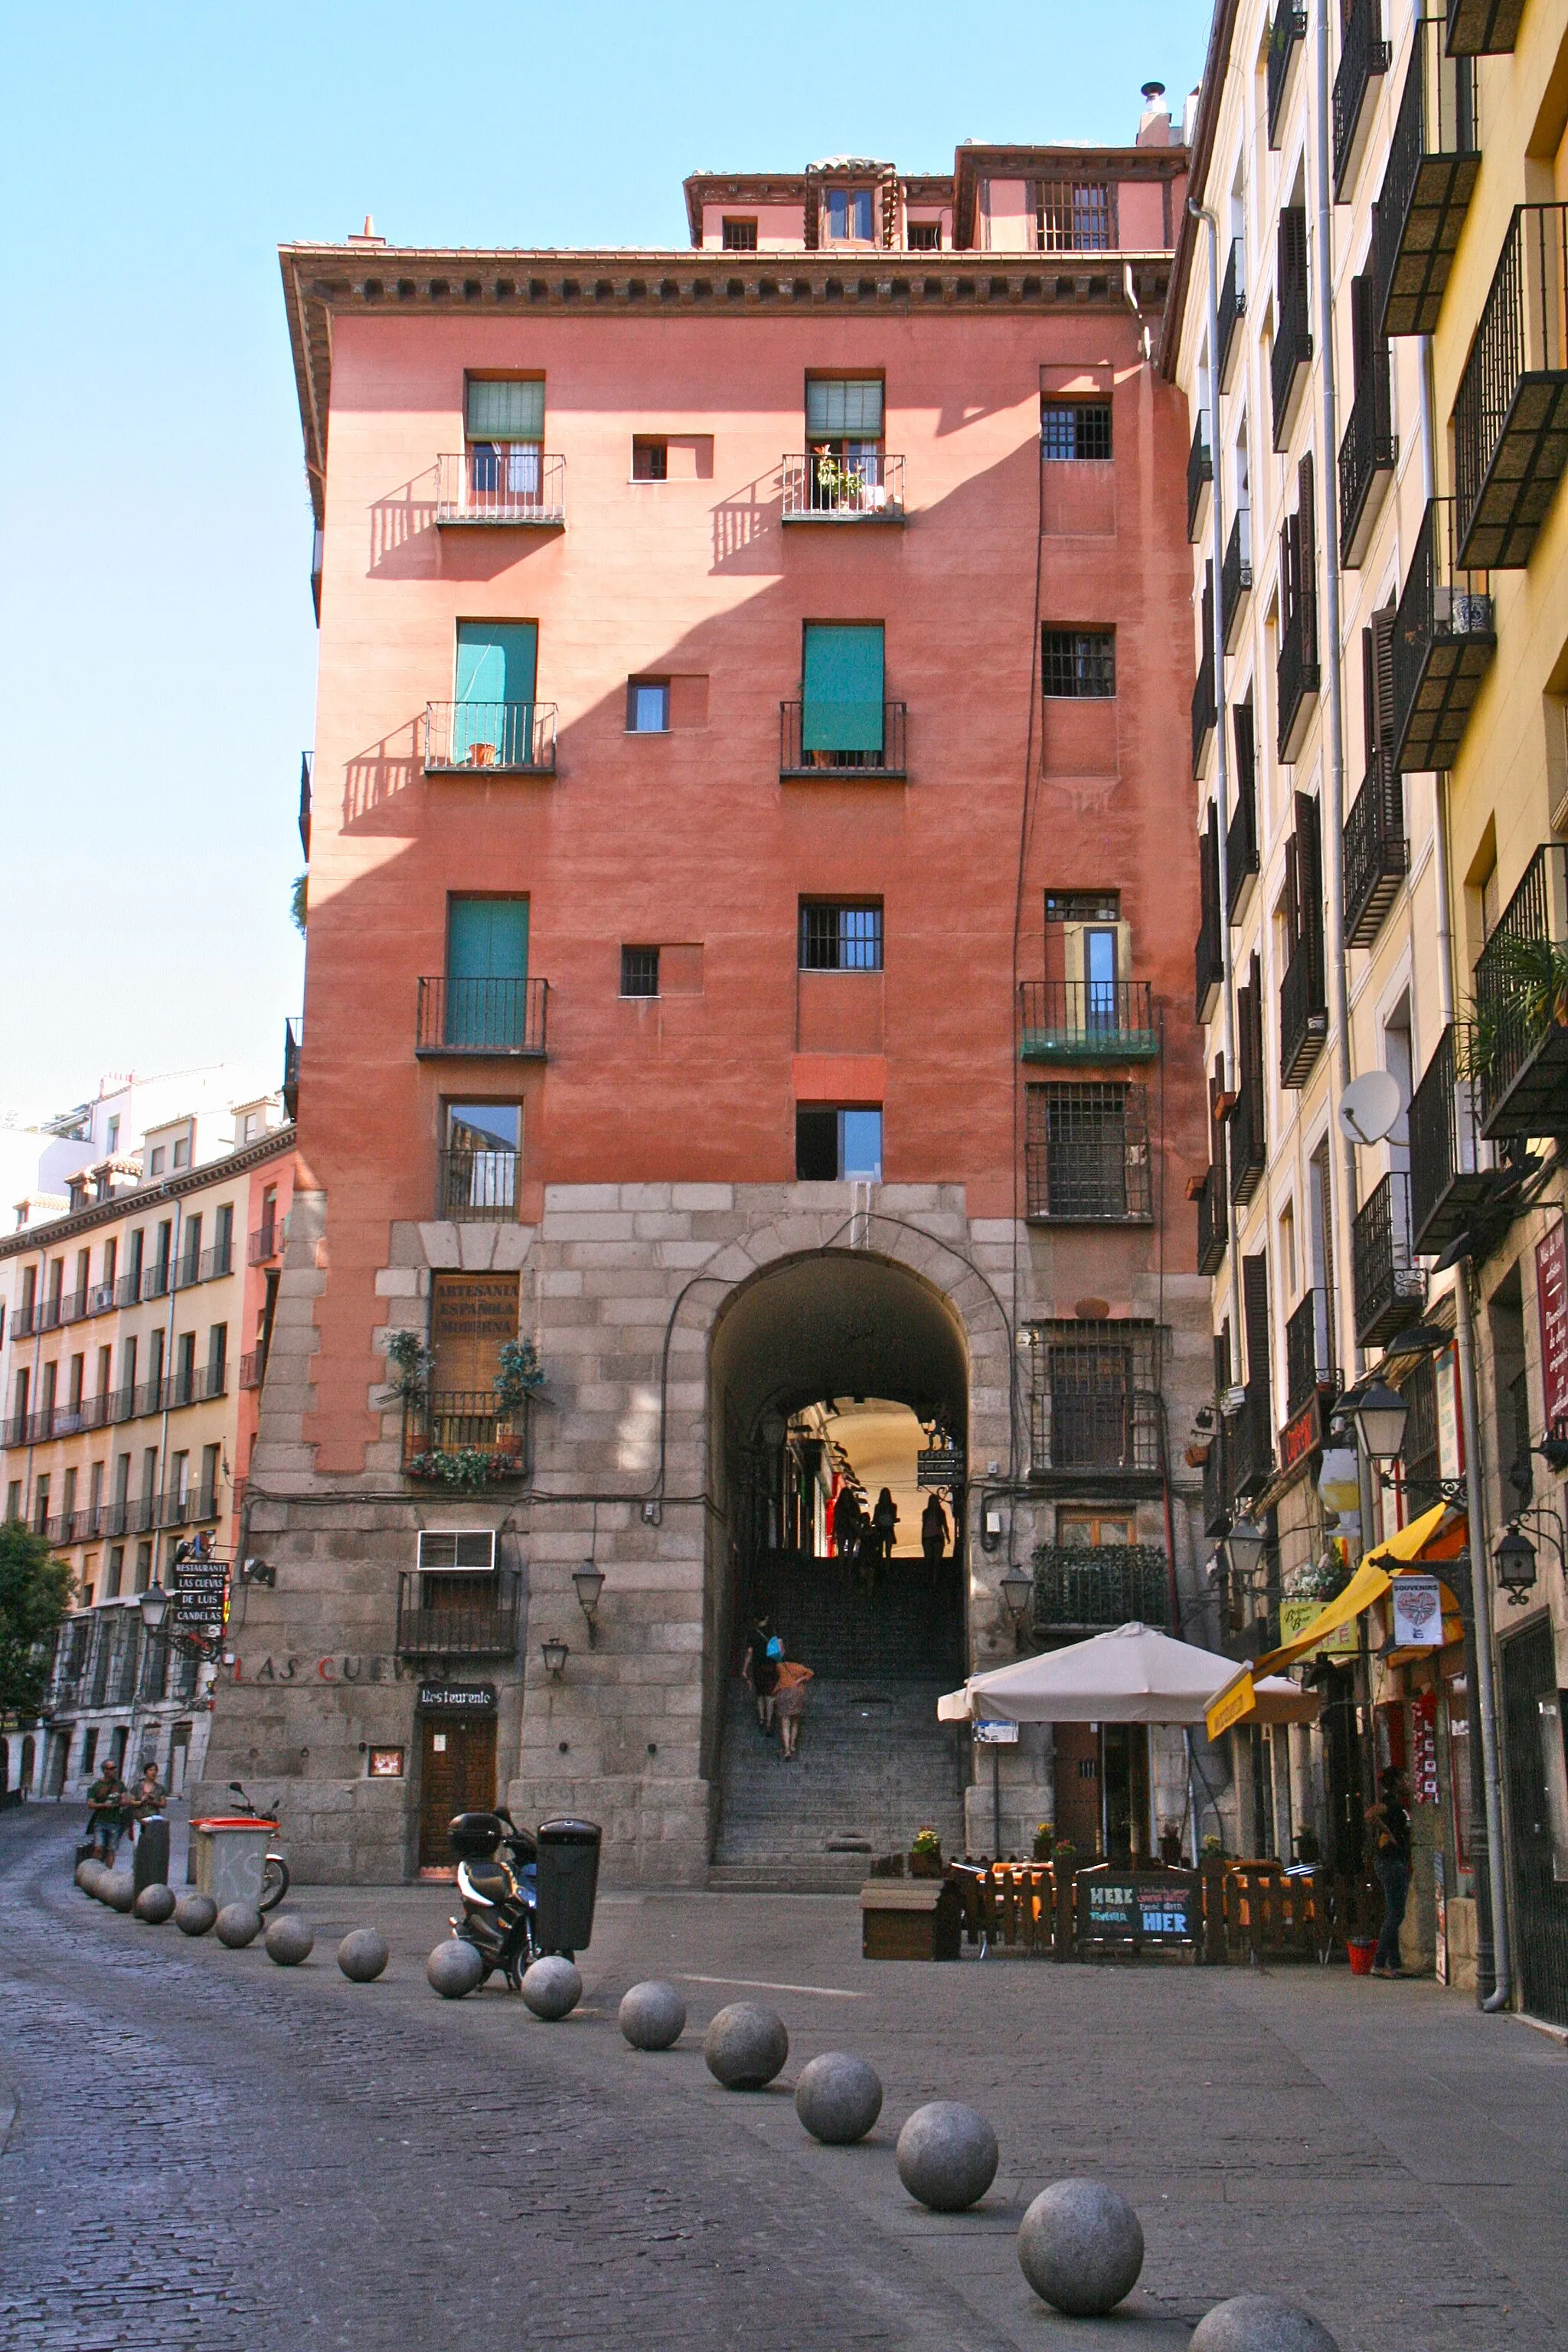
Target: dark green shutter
[[843, 687]]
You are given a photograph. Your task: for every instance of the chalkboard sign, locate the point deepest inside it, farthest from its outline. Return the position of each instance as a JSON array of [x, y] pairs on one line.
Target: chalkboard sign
[[1137, 1906]]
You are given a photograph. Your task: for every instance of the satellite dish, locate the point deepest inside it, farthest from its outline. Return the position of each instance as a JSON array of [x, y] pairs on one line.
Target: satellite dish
[[1369, 1106]]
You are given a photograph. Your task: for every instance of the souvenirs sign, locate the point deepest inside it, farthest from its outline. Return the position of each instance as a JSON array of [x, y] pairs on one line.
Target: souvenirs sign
[[1418, 1612]]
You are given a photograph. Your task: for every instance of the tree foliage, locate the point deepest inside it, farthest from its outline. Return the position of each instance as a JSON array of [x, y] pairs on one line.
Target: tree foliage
[[35, 1595]]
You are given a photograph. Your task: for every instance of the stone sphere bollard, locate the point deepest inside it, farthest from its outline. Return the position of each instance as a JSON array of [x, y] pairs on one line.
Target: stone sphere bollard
[[652, 2016], [236, 1925], [552, 1988], [1081, 2248], [119, 1890], [1257, 2323], [745, 2046], [363, 1955], [155, 1904], [839, 2099], [947, 2155], [289, 1940], [86, 1872], [455, 1968], [195, 1914]]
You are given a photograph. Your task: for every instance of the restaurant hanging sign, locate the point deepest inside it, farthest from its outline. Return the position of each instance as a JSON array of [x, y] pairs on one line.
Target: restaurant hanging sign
[[1552, 1299], [939, 1465]]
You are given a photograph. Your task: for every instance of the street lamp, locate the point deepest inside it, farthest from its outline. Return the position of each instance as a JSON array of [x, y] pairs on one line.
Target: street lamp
[[590, 1583], [155, 1607], [1244, 1548], [1514, 1560], [1018, 1591], [555, 1654], [1380, 1414]]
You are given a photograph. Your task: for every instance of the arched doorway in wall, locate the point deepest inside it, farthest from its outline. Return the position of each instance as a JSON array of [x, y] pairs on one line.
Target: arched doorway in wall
[[831, 1371]]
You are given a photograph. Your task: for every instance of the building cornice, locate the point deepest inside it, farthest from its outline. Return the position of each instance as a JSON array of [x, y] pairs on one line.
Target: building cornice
[[211, 1172], [1216, 66]]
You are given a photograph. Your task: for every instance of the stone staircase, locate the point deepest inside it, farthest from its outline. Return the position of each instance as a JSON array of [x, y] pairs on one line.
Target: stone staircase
[[873, 1764]]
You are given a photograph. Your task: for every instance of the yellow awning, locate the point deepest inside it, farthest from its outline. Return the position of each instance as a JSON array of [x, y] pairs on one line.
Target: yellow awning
[[1238, 1703]]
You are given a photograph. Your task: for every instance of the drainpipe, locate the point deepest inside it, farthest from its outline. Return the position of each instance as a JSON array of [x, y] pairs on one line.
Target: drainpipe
[[1217, 540]]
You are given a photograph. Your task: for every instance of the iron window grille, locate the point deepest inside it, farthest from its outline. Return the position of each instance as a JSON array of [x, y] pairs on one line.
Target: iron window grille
[[1075, 431], [639, 971], [925, 236], [1075, 216], [740, 237], [1094, 1400], [1083, 905], [840, 938], [1078, 663], [1087, 1153]]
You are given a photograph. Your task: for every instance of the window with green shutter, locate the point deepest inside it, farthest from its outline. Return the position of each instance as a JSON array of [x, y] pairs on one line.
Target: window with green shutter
[[842, 686], [486, 973], [844, 410], [496, 669], [505, 412]]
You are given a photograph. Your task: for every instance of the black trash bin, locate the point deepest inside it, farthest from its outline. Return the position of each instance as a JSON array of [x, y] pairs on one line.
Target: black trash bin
[[150, 1864], [568, 1883]]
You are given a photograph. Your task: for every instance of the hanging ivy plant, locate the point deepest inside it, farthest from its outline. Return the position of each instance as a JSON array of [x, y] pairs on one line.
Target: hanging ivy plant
[[410, 1359], [520, 1374]]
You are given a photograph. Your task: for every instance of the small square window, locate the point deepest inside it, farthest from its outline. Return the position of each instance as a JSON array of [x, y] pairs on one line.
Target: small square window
[[840, 938], [650, 459], [1075, 431], [925, 236], [740, 237], [1078, 662], [847, 212], [639, 971], [648, 705], [835, 1146]]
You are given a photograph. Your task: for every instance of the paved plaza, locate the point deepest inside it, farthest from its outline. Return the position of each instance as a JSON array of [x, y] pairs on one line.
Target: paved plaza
[[200, 2149]]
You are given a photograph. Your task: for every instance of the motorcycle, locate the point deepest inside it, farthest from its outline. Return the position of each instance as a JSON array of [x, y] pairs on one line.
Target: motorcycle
[[498, 1896], [274, 1869]]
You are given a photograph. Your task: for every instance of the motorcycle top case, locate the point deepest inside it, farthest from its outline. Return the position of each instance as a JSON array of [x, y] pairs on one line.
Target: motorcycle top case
[[474, 1837]]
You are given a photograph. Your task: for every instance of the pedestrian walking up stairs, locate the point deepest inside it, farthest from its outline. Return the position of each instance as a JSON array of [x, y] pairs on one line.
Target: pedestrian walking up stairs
[[874, 1764]]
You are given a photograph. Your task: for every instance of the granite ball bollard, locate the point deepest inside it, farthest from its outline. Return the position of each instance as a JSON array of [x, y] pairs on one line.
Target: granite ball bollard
[[745, 2046], [155, 1904], [1080, 2246], [652, 2016], [119, 1890], [363, 1955], [947, 2155], [194, 1912], [289, 1940], [552, 1988], [839, 2099], [85, 1871], [1257, 2323], [236, 1925], [455, 1968]]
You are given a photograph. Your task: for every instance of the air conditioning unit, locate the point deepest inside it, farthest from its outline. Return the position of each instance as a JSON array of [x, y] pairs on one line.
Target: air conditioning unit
[[471, 1548]]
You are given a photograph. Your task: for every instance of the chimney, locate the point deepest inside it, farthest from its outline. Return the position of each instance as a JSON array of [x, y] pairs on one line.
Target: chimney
[[1154, 122], [367, 235]]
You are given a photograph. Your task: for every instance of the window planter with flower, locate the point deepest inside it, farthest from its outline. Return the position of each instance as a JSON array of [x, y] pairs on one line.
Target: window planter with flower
[[464, 1439]]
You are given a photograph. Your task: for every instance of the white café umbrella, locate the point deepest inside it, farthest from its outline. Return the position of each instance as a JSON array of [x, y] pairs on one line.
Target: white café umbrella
[[1132, 1674]]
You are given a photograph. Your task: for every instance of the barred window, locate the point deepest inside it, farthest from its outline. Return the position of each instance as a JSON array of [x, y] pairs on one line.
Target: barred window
[[1075, 216], [639, 971], [1078, 661], [1087, 1153], [1083, 905], [924, 236], [1075, 430], [840, 938], [740, 237], [1094, 1395]]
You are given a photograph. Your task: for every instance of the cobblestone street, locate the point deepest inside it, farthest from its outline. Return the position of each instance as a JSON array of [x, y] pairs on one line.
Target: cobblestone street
[[207, 2151]]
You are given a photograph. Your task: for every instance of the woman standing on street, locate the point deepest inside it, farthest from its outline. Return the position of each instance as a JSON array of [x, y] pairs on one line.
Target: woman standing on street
[[793, 1680], [1389, 1825]]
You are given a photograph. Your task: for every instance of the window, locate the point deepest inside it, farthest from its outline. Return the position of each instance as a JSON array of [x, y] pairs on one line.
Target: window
[[14, 1500], [648, 705], [112, 1134], [1075, 216], [115, 1571], [1083, 905], [1094, 1402], [486, 973], [844, 408], [924, 236], [155, 1160], [480, 1161], [1087, 1153], [1081, 663], [837, 1146], [504, 423], [650, 459], [211, 1457], [741, 235], [842, 688], [182, 1151], [472, 1549], [639, 971], [847, 213], [1075, 430], [1079, 1531], [840, 938]]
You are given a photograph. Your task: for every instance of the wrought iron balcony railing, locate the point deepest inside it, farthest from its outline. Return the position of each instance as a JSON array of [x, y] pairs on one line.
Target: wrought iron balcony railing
[[1299, 674], [1376, 852], [463, 1420], [1449, 1173], [1203, 702], [1285, 34], [1088, 1021], [1200, 472], [1309, 1351], [266, 1243], [24, 1319], [1521, 1025], [1433, 158], [456, 1616], [863, 487], [1363, 58], [1236, 575], [191, 1507], [1103, 1584], [476, 1186], [796, 720], [503, 1017], [1510, 417], [155, 1278], [1367, 457], [1250, 1441], [1248, 1149], [293, 1040], [253, 1368], [199, 1385], [1389, 1285], [1241, 853], [1292, 355], [1303, 1008], [1086, 1155], [1208, 951], [503, 739], [1213, 1220], [501, 482], [1216, 1479], [203, 1265], [1232, 308], [1444, 640]]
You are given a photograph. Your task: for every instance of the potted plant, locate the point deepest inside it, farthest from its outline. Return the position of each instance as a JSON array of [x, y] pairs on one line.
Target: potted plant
[[925, 1855], [1044, 1841]]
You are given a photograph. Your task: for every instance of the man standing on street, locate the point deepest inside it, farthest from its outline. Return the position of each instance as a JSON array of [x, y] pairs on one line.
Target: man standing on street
[[106, 1812]]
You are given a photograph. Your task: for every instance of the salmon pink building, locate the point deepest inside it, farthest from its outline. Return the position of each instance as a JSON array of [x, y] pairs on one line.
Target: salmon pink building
[[747, 1058]]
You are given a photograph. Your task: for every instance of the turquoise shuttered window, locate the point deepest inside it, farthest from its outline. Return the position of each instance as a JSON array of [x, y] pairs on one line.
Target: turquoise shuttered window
[[844, 412], [843, 687], [486, 973], [505, 412], [498, 664]]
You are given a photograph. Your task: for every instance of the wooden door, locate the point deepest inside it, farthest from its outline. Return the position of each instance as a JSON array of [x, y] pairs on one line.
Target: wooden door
[[1077, 1787], [457, 1775]]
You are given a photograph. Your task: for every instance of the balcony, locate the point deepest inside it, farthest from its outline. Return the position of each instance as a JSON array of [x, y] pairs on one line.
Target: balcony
[[1433, 158], [1213, 1220], [1390, 1288], [1084, 1586], [796, 759], [1088, 1021], [156, 1277], [1292, 355], [1286, 34], [1250, 1443], [1364, 59], [1241, 859], [1483, 29], [1086, 1155], [499, 738], [1303, 1008], [205, 1266], [1216, 1481], [463, 1420], [1520, 1027], [501, 1018], [1510, 417], [1376, 852], [100, 1297], [253, 1369], [1203, 695], [1448, 1178], [455, 1616], [25, 1319], [1208, 959], [266, 1243], [1367, 455], [1200, 473], [1298, 675], [293, 1039], [190, 1507], [864, 487], [200, 1385], [498, 483], [1232, 308], [1247, 1148], [1444, 640], [130, 1516], [1309, 1352], [1236, 575], [305, 804], [128, 1290], [476, 1188]]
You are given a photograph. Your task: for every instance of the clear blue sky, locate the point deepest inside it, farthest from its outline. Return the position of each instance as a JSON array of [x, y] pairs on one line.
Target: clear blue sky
[[160, 650]]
